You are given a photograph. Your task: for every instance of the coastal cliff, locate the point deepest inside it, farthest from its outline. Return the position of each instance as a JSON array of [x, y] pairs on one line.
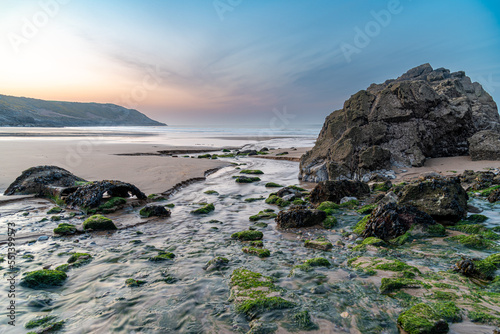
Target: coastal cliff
[[21, 111]]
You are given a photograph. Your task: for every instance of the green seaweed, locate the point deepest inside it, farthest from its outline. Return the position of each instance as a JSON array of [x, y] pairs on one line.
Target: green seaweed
[[99, 223], [204, 210], [260, 252], [248, 235], [43, 278]]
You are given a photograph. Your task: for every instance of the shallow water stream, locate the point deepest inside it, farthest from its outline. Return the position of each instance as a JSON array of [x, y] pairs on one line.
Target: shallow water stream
[[180, 296]]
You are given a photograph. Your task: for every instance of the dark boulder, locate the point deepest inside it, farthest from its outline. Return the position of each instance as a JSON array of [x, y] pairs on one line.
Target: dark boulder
[[90, 195], [485, 145], [494, 196], [42, 181], [289, 194], [425, 113], [334, 191], [154, 211], [299, 216], [444, 199], [391, 221]]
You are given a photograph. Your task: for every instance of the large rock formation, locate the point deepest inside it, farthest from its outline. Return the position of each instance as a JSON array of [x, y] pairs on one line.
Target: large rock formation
[[42, 181], [485, 145], [425, 113]]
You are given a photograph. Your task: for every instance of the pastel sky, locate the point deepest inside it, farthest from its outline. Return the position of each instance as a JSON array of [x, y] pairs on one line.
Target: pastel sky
[[235, 61]]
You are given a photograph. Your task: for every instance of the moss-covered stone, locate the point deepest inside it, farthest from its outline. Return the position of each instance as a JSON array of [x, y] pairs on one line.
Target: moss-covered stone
[[253, 307], [320, 243], [134, 283], [273, 185], [204, 210], [44, 278], [477, 218], [79, 259], [328, 207], [366, 209], [162, 256], [254, 199], [273, 199], [246, 179], [260, 252], [54, 210], [263, 215], [392, 284], [65, 229], [422, 319], [308, 265], [39, 321], [248, 235], [330, 222], [251, 171], [397, 266], [354, 203], [218, 262], [211, 192], [99, 223], [112, 204]]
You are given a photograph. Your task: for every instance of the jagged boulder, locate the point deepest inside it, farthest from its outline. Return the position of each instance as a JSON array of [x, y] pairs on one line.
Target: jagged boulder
[[444, 199], [334, 191], [90, 195], [485, 145], [391, 221], [42, 181], [425, 113], [299, 216]]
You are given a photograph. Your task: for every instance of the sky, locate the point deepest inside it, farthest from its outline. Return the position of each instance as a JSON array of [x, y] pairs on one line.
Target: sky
[[237, 62]]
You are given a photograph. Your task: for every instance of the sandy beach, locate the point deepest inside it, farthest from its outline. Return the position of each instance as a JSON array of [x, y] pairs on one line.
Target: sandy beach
[[100, 161]]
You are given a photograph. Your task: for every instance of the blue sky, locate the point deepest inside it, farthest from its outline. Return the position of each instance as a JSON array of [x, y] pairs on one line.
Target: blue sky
[[235, 61]]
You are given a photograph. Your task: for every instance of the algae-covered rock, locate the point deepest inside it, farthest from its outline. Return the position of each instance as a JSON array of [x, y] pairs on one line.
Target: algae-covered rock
[[162, 256], [204, 209], [99, 223], [442, 199], [320, 243], [154, 211], [334, 191], [248, 235], [273, 185], [392, 284], [45, 278], [494, 196], [260, 252], [134, 283], [79, 259], [299, 216], [65, 229], [251, 171], [391, 221], [422, 319], [255, 294], [482, 269], [275, 199], [216, 263], [266, 214], [246, 179]]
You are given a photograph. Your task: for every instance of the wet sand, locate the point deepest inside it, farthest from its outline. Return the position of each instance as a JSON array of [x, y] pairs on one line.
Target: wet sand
[[94, 160], [446, 166]]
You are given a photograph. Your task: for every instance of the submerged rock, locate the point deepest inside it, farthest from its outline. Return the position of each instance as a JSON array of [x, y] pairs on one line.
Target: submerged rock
[[443, 199], [422, 319], [154, 211], [391, 221], [425, 113], [90, 195], [334, 191], [299, 216], [42, 181]]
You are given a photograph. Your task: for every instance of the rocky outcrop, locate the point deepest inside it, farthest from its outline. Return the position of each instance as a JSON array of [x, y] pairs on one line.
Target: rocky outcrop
[[391, 221], [485, 145], [154, 211], [299, 216], [334, 191], [443, 199], [42, 181], [425, 113], [90, 195]]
